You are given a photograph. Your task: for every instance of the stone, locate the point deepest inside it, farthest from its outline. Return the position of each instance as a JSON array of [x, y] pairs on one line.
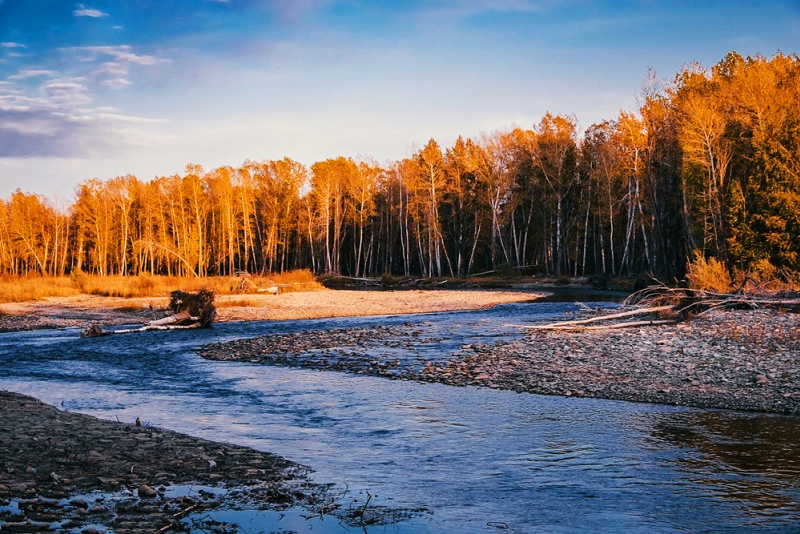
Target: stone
[[79, 503], [146, 492]]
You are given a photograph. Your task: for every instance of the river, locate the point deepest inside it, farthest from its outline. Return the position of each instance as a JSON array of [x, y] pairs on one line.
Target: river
[[475, 459]]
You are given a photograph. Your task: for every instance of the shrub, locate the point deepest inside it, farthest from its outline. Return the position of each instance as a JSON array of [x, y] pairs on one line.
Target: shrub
[[762, 276], [709, 275]]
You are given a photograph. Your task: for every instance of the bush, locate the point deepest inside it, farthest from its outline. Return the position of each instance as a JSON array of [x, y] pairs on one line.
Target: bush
[[763, 277], [709, 275]]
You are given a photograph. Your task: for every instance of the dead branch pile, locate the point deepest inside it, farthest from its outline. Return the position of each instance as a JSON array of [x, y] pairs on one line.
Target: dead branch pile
[[692, 302], [189, 310], [659, 305]]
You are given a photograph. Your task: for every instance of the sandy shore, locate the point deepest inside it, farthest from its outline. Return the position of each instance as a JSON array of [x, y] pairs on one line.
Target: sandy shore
[[61, 312]]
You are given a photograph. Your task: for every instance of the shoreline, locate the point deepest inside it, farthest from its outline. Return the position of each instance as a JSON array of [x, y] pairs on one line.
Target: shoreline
[[739, 360], [81, 310], [742, 360], [70, 470], [62, 471], [746, 360]]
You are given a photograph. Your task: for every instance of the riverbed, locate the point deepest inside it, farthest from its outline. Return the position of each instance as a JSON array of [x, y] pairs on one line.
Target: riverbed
[[467, 459]]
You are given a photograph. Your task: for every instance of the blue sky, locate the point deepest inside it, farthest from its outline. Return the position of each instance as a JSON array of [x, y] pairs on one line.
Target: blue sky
[[114, 87]]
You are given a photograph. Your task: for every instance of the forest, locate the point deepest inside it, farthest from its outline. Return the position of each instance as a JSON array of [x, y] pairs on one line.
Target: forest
[[707, 167]]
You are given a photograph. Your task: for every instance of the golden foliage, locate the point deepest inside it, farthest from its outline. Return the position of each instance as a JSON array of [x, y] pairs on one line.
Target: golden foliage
[[709, 275], [763, 277], [760, 278]]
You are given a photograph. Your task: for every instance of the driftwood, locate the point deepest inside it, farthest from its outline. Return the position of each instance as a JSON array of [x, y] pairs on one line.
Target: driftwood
[[569, 325], [189, 310], [673, 305]]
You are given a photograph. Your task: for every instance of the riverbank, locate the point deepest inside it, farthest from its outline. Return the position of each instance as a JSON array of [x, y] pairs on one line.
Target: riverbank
[[739, 360], [81, 310], [64, 472]]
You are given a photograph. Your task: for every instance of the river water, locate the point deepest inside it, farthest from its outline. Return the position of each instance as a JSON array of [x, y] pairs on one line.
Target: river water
[[476, 459]]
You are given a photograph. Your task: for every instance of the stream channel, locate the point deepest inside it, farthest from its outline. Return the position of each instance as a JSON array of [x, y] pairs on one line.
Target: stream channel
[[475, 459]]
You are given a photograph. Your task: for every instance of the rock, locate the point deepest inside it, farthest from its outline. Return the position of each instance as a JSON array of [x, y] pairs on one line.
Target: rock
[[146, 492], [761, 380], [79, 503]]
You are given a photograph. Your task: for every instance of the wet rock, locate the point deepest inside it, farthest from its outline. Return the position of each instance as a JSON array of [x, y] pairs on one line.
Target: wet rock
[[79, 503], [146, 492]]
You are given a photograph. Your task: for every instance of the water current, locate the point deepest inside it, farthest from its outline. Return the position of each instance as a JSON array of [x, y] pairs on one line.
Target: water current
[[478, 460]]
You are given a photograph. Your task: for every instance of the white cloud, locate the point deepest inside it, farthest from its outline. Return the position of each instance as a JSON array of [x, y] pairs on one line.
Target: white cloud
[[83, 11], [120, 52], [58, 118], [111, 66], [9, 44], [31, 73], [117, 83]]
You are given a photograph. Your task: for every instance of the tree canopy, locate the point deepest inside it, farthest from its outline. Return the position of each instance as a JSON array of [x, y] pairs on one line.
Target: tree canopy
[[709, 165]]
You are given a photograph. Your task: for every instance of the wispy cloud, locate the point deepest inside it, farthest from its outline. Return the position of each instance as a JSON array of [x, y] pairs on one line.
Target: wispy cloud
[[83, 11], [31, 73], [10, 44], [111, 66], [122, 53], [47, 113]]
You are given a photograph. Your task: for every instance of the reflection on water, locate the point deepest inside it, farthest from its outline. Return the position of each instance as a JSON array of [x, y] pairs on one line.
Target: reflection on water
[[741, 449], [480, 460]]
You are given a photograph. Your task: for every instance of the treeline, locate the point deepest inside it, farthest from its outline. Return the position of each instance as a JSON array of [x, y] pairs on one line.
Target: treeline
[[708, 166]]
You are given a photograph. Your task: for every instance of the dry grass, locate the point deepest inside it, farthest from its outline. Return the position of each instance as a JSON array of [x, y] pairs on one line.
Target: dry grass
[[21, 289], [24, 288], [237, 303]]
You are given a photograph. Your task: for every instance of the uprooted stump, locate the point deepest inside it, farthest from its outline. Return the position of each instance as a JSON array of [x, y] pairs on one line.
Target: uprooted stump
[[189, 310], [199, 306]]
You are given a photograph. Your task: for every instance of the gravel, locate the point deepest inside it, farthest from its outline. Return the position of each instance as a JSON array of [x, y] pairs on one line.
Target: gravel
[[741, 360]]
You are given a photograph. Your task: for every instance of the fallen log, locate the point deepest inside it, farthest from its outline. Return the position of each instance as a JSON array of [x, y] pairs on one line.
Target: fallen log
[[190, 310], [145, 328], [614, 326], [569, 324]]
